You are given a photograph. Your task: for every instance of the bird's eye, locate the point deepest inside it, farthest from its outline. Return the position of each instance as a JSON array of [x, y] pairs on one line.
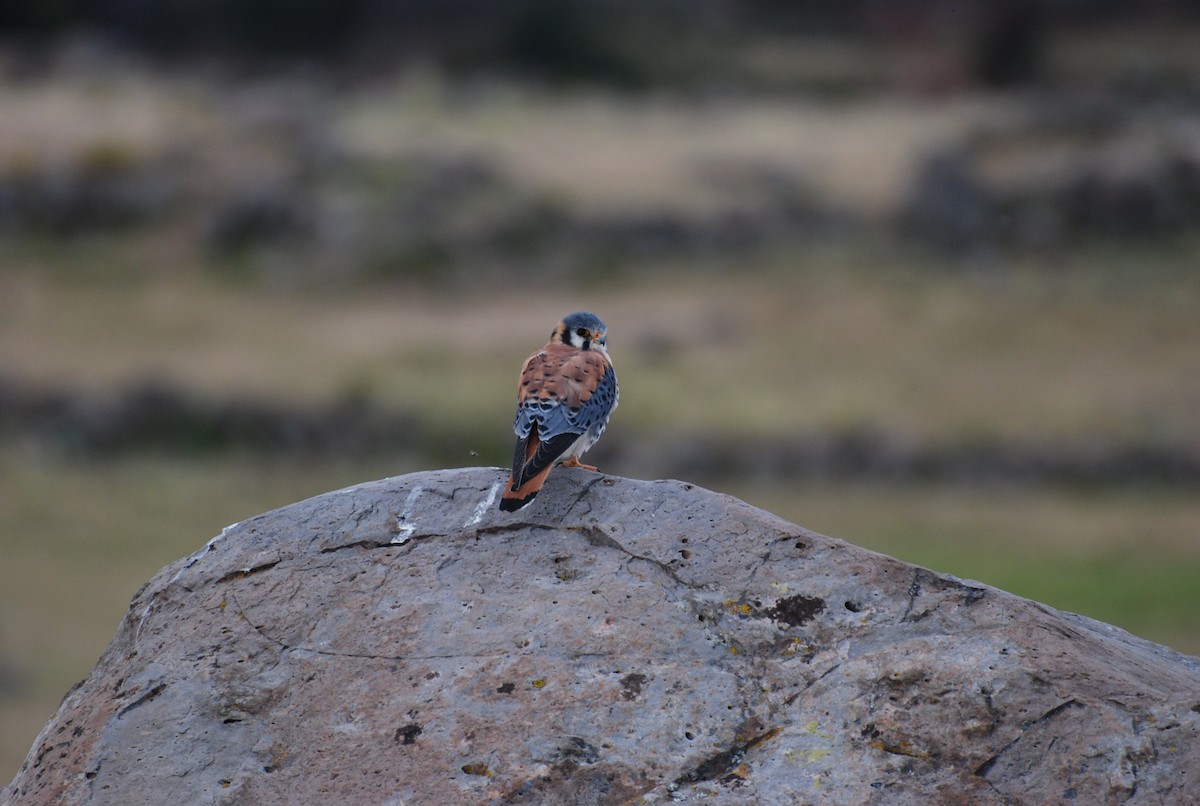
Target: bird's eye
[[581, 333]]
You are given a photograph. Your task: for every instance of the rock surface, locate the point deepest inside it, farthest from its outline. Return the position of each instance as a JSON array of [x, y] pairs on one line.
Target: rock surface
[[619, 641]]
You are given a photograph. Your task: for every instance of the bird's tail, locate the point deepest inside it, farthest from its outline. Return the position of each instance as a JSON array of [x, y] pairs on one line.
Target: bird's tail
[[532, 461], [512, 500]]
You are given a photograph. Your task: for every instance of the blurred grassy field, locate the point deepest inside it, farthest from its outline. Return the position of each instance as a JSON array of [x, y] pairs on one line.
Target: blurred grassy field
[[1096, 345], [1083, 347]]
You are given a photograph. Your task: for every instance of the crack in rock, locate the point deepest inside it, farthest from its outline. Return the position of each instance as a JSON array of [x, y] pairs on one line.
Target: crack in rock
[[925, 580], [363, 544], [284, 646], [601, 539], [142, 700], [242, 573], [983, 769], [587, 488]]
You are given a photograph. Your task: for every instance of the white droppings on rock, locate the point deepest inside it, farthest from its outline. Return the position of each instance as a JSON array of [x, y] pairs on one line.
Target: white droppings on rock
[[404, 527], [483, 506], [137, 634]]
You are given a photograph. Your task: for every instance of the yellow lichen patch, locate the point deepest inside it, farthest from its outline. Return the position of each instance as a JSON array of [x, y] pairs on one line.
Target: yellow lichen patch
[[739, 608], [539, 683], [740, 771], [810, 727], [806, 756]]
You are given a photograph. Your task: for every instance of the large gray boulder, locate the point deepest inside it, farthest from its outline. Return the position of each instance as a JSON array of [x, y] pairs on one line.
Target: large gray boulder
[[618, 641]]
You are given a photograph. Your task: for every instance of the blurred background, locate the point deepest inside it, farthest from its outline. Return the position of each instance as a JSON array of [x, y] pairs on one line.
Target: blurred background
[[919, 275]]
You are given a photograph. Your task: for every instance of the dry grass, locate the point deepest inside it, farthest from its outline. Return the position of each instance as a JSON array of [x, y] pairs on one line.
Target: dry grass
[[56, 123], [606, 153], [934, 357], [599, 152], [1112, 55]]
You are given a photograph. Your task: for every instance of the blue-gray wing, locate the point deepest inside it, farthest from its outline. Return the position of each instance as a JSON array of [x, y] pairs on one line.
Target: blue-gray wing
[[554, 416], [565, 391], [595, 411]]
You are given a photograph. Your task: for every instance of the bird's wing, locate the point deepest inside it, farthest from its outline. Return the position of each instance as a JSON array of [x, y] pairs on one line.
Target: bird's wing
[[597, 407], [562, 393]]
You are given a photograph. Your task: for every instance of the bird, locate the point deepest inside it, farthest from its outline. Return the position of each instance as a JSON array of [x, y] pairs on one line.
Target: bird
[[565, 395]]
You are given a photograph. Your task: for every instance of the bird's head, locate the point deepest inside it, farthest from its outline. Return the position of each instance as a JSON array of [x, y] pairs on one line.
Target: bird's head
[[582, 330]]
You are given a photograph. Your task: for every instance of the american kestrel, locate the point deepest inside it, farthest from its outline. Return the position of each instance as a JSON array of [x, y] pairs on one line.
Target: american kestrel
[[566, 393]]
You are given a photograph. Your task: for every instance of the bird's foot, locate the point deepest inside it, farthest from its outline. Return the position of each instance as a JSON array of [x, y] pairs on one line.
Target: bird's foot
[[574, 462]]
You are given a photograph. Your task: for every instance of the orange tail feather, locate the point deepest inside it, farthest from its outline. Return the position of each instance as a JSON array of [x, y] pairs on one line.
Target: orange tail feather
[[512, 500]]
